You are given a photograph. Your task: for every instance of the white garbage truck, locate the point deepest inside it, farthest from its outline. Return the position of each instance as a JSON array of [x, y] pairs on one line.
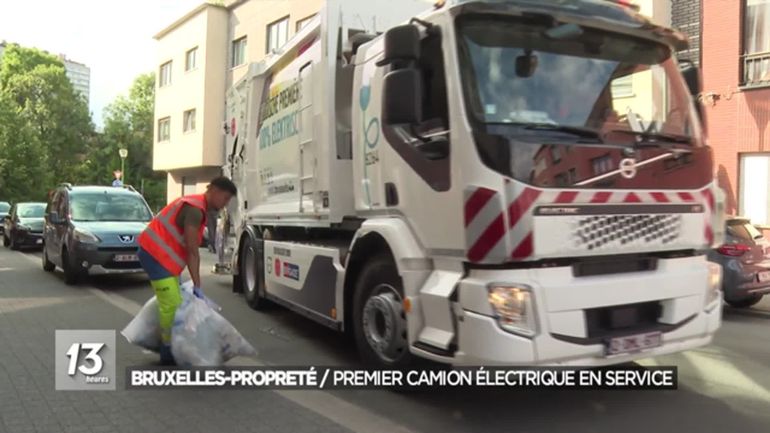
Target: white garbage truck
[[510, 182]]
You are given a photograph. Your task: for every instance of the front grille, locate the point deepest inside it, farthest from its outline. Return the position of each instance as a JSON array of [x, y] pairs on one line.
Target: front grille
[[612, 231], [122, 265]]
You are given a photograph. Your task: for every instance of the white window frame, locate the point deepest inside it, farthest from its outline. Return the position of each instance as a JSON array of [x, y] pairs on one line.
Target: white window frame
[[164, 124], [191, 53], [164, 78], [275, 41], [303, 22], [188, 120], [754, 187], [238, 49]]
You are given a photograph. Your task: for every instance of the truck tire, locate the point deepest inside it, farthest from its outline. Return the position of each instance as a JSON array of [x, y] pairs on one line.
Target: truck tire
[[744, 302], [71, 275], [379, 319], [251, 272], [48, 265]]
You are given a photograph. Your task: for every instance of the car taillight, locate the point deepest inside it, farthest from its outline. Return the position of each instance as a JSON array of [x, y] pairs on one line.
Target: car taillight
[[735, 250]]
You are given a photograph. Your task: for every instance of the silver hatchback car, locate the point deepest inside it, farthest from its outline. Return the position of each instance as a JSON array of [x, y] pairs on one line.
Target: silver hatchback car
[[745, 260]]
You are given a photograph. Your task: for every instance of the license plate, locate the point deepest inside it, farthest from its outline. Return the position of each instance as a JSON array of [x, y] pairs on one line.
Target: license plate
[[633, 343], [763, 276], [126, 258], [39, 241]]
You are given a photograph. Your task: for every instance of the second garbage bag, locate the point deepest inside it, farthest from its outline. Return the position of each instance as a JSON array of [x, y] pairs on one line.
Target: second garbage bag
[[201, 337]]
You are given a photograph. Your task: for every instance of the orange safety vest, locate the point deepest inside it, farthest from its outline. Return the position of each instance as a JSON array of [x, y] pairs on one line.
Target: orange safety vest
[[164, 241]]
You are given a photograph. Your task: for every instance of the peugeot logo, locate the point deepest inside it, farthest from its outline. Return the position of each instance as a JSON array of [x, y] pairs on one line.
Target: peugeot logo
[[627, 168], [126, 239]]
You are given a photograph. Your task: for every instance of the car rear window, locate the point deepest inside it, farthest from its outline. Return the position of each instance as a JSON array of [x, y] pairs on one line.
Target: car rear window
[[743, 230]]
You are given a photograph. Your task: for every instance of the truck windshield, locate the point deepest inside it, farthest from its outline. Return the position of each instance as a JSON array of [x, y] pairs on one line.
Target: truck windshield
[[526, 82]]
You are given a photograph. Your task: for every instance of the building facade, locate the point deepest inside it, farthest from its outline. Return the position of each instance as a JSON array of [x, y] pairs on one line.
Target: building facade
[[736, 99], [199, 57]]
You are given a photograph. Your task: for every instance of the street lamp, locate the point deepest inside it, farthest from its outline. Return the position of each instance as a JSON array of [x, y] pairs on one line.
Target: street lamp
[[123, 154]]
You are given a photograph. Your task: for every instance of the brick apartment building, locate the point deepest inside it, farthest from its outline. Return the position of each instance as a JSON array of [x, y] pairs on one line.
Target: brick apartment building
[[736, 95]]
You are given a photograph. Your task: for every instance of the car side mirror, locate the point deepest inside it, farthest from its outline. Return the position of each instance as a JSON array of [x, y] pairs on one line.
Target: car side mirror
[[53, 218], [402, 97]]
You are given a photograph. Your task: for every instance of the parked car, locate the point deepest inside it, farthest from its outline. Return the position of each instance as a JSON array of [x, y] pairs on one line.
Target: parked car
[[23, 226], [4, 208], [745, 260], [93, 230]]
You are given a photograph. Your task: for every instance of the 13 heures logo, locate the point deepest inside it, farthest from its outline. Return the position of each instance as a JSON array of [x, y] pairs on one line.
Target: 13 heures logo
[[85, 360]]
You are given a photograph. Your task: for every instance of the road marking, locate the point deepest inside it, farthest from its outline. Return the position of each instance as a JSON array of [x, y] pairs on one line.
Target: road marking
[[337, 410], [6, 269]]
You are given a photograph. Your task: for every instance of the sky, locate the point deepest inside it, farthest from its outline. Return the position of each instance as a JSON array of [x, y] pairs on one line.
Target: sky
[[112, 37]]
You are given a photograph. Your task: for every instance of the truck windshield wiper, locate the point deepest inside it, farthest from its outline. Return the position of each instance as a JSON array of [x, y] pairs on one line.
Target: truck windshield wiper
[[574, 130], [650, 139]]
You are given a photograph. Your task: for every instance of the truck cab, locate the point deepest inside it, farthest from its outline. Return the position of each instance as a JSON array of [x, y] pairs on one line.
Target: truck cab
[[479, 185]]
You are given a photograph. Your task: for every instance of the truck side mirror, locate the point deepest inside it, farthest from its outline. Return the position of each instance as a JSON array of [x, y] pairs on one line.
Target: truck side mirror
[[402, 97], [402, 44], [691, 75]]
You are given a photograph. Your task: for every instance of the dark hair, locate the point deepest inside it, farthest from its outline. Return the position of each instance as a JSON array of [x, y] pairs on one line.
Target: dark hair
[[224, 184]]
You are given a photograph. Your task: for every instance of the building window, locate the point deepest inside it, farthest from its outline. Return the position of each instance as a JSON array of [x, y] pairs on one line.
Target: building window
[[239, 52], [754, 188], [277, 34], [189, 121], [303, 22], [623, 86], [165, 74], [756, 42], [555, 154], [602, 164], [191, 59], [164, 129]]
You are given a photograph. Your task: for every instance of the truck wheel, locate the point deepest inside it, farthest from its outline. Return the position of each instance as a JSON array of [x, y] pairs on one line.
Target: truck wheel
[[252, 278], [71, 275], [379, 320], [48, 265], [744, 302]]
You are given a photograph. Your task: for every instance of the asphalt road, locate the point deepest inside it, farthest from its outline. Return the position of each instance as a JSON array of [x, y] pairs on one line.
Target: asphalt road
[[722, 387]]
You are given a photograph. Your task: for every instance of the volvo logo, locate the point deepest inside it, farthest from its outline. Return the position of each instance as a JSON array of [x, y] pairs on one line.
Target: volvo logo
[[627, 168], [126, 239]]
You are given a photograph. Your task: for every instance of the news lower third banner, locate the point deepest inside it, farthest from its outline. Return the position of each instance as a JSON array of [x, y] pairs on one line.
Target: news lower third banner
[[317, 378]]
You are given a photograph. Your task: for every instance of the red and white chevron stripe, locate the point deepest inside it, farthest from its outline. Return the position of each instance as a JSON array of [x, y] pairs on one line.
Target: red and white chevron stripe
[[498, 226]]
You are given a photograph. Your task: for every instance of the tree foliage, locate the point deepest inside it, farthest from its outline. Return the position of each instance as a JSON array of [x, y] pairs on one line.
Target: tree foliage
[[46, 134]]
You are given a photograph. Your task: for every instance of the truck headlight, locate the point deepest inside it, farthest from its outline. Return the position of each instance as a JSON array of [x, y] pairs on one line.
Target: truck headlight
[[513, 308], [714, 285], [85, 236]]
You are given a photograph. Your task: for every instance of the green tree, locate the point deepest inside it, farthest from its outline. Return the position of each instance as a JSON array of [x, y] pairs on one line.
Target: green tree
[[128, 124], [23, 174], [48, 112]]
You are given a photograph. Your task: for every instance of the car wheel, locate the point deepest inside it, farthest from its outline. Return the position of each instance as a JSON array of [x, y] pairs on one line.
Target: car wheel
[[48, 265], [71, 275], [379, 319], [252, 276], [744, 302]]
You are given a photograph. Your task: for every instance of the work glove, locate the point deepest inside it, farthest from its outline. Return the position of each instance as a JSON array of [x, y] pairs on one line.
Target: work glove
[[198, 293]]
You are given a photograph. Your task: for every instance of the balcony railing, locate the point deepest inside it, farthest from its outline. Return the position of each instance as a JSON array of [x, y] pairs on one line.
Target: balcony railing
[[756, 69]]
